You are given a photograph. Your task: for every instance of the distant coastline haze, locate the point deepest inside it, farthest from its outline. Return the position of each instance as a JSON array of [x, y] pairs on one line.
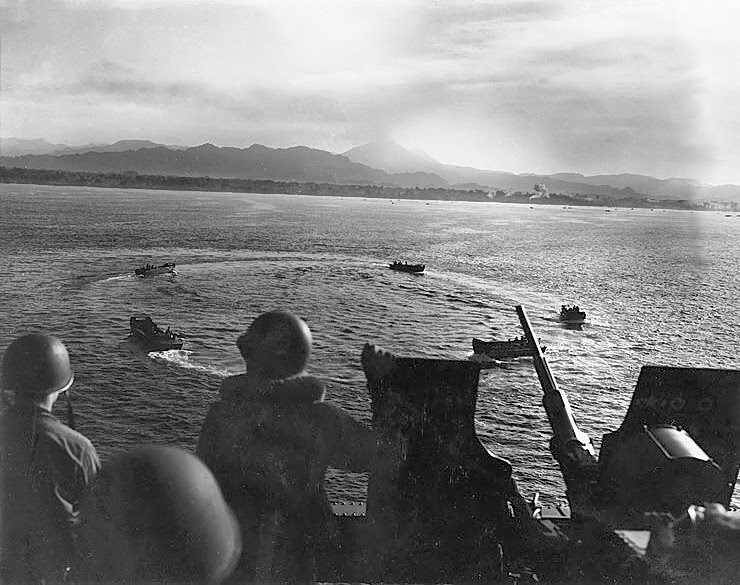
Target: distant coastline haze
[[379, 165]]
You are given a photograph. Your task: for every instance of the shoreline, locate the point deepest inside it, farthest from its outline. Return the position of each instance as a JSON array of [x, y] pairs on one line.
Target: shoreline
[[132, 180]]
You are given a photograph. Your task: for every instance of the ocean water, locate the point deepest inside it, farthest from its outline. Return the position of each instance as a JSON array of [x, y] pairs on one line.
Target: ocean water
[[660, 287]]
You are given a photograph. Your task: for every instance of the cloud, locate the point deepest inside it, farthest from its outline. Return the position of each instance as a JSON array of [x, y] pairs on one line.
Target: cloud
[[461, 29], [521, 86]]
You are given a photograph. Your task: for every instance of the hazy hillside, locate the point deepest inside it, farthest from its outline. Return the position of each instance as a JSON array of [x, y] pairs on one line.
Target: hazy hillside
[[673, 188], [38, 146], [390, 156], [298, 163], [256, 162], [20, 147], [119, 146], [419, 179], [375, 163]]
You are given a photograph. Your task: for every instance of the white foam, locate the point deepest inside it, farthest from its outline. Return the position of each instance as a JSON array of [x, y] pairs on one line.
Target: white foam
[[181, 358], [119, 277]]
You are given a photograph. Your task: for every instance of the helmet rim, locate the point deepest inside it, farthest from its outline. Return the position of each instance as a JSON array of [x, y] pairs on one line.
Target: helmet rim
[[277, 344], [36, 365]]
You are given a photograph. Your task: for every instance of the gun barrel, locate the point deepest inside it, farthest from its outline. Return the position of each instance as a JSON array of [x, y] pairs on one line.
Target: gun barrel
[[565, 430]]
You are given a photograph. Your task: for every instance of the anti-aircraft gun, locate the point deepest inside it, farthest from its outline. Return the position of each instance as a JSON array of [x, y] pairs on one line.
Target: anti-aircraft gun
[[442, 508], [677, 446]]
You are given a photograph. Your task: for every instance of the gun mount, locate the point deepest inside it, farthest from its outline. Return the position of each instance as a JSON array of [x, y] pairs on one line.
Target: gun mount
[[570, 446], [445, 503], [678, 444], [442, 508]]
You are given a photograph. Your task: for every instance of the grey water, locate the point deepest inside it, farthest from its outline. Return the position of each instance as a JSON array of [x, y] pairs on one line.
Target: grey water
[[659, 287]]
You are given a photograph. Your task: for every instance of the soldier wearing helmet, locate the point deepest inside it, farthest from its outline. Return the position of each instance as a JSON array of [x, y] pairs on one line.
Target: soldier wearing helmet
[[269, 442], [156, 515], [45, 465]]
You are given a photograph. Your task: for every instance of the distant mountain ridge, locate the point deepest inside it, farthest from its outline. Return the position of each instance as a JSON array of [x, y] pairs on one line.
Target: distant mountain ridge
[[20, 147], [393, 158], [39, 146], [389, 155], [374, 163], [297, 163]]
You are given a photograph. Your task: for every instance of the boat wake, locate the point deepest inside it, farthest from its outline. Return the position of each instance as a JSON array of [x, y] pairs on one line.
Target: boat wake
[[117, 277], [181, 359], [485, 362]]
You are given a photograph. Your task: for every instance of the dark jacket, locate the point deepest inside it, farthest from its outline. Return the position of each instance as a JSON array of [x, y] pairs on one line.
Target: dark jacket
[[269, 451], [46, 466]]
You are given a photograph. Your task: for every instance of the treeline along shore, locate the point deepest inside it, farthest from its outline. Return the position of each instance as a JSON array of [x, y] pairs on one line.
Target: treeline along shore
[[133, 180]]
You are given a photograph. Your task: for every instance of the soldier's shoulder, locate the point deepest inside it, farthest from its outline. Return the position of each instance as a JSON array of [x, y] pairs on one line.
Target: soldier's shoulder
[[72, 442]]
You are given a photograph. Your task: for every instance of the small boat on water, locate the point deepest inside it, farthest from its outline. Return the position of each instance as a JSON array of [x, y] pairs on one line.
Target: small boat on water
[[513, 348], [406, 267], [572, 314], [150, 337], [152, 270]]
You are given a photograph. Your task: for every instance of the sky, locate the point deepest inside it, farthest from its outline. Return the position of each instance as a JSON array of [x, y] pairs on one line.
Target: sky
[[647, 87]]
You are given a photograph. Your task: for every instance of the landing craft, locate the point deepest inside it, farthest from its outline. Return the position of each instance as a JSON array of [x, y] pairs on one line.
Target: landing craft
[[572, 314], [152, 270], [406, 267], [512, 348], [145, 332]]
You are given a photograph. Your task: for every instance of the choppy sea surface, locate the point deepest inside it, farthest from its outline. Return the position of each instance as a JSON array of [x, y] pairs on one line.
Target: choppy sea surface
[[659, 287]]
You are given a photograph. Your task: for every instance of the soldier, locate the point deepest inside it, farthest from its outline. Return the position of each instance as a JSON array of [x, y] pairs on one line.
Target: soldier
[[45, 465], [156, 515], [269, 442]]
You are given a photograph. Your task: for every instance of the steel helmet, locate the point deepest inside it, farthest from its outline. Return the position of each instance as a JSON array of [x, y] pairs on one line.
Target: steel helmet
[[276, 343], [36, 364], [156, 514]]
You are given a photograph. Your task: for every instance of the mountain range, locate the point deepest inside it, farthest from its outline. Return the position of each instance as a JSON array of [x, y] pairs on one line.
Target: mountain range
[[375, 163]]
